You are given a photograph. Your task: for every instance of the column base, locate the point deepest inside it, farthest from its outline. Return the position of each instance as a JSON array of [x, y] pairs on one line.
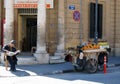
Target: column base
[[42, 58], [60, 53], [58, 57], [2, 58]]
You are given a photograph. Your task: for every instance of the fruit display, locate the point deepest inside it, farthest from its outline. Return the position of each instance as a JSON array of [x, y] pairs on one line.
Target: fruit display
[[90, 46], [103, 45]]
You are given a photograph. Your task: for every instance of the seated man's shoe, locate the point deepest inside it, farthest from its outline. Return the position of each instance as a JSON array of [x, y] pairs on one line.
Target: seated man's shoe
[[13, 70]]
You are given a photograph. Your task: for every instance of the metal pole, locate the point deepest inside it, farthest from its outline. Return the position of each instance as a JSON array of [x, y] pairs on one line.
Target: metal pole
[[80, 21], [96, 21]]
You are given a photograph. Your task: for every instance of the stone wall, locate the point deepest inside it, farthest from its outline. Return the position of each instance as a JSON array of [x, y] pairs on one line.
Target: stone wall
[[111, 23], [73, 30], [0, 20], [117, 27], [52, 25], [72, 27]]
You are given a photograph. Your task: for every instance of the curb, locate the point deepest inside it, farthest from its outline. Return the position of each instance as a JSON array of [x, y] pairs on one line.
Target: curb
[[113, 65], [72, 70], [57, 72], [67, 71]]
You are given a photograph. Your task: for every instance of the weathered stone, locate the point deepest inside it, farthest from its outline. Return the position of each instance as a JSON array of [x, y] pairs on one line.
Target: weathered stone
[[41, 55], [9, 24]]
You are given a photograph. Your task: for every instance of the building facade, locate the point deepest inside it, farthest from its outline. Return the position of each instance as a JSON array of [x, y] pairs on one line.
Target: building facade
[[67, 24], [1, 21]]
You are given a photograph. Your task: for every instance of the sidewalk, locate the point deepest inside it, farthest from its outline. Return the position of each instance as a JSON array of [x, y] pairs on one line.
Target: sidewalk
[[47, 69], [113, 61], [33, 70]]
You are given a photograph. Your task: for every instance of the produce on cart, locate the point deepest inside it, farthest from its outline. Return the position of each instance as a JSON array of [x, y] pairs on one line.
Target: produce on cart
[[89, 57]]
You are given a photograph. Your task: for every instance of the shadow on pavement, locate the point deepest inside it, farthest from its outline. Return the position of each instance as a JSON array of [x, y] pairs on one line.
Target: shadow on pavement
[[20, 73]]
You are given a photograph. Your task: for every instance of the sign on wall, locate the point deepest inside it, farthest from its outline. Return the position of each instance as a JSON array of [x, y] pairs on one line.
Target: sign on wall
[[72, 7], [31, 3], [76, 15]]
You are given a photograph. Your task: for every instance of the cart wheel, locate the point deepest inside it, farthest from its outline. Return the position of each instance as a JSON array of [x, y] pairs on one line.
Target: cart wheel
[[91, 66], [77, 68]]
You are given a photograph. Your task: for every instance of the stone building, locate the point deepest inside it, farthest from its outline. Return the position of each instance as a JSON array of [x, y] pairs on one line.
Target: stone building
[[1, 21], [52, 28]]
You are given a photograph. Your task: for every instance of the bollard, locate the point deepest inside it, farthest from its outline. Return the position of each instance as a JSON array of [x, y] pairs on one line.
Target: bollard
[[105, 70]]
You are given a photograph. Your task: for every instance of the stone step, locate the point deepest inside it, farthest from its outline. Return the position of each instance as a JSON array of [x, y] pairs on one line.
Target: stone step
[[26, 60], [59, 54], [25, 54], [56, 59], [22, 60]]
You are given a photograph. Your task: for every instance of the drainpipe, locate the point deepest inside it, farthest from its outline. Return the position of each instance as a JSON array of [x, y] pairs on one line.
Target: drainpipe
[[96, 21], [114, 53], [81, 22]]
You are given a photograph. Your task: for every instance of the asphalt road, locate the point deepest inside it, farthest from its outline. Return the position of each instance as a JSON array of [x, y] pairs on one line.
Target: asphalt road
[[111, 77]]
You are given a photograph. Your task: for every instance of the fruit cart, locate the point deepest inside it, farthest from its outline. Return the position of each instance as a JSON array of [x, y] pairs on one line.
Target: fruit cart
[[90, 61]]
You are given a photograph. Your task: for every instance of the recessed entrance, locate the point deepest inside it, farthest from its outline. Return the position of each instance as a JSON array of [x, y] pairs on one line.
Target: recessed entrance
[[29, 34]]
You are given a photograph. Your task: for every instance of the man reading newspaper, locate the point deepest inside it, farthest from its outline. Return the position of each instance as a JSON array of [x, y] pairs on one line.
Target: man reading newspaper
[[10, 54]]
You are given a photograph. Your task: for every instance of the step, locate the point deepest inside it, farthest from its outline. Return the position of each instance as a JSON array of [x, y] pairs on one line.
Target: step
[[25, 54], [59, 54], [56, 59], [26, 60]]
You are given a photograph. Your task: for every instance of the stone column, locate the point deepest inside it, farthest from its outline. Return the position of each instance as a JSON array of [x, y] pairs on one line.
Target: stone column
[[61, 26], [41, 54], [9, 24]]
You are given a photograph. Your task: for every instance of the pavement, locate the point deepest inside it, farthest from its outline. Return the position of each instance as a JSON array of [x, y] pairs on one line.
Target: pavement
[[113, 61], [48, 69]]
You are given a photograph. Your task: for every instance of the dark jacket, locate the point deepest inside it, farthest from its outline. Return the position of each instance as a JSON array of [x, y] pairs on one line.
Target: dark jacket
[[12, 49]]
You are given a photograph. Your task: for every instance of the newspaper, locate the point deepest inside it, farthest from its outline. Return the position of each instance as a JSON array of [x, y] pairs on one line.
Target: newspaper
[[13, 53]]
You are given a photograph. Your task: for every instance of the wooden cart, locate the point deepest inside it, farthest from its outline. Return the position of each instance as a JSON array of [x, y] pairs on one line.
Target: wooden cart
[[92, 59], [89, 61]]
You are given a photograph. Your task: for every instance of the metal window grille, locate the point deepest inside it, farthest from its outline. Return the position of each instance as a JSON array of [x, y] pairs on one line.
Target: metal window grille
[[27, 11]]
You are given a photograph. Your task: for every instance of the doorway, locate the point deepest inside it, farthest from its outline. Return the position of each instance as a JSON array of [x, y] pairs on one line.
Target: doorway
[[30, 38]]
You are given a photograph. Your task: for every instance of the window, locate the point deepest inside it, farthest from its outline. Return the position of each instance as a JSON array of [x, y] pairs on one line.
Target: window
[[27, 11], [92, 20]]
